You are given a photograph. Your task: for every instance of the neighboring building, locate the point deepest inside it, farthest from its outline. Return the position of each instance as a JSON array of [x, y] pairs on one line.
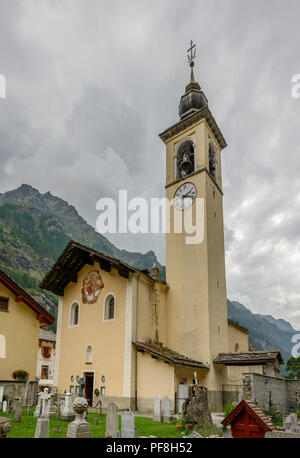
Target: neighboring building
[[132, 336], [46, 358], [21, 318]]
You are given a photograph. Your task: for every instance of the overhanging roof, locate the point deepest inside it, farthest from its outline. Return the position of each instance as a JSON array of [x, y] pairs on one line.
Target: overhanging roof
[[169, 356], [49, 336], [249, 358], [44, 317], [73, 258], [203, 113]]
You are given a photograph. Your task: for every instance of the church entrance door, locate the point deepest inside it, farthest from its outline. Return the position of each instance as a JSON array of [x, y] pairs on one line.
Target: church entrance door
[[89, 385]]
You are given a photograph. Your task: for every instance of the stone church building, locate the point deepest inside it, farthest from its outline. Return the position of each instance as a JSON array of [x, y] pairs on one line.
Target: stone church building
[[134, 337]]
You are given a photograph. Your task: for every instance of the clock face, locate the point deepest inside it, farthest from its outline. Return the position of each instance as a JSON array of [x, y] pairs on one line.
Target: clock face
[[185, 196]]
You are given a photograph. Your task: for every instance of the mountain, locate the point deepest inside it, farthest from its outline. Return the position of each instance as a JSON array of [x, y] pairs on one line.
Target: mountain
[[35, 228], [265, 332]]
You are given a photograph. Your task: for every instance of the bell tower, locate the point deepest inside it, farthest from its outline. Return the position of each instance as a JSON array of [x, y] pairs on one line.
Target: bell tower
[[197, 324]]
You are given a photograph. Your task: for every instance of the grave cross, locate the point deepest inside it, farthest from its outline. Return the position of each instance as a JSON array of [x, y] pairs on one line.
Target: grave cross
[[44, 396], [80, 381]]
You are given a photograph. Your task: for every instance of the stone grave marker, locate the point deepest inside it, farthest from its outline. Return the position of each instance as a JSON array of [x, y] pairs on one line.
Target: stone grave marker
[[157, 410], [67, 413], [18, 404], [167, 410], [79, 428], [127, 425], [51, 411], [4, 406], [112, 420], [42, 428]]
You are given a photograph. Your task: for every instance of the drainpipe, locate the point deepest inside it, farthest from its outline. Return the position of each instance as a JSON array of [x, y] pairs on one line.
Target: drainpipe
[[136, 339]]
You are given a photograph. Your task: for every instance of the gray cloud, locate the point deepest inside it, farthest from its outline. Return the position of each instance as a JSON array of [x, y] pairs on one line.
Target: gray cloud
[[91, 84]]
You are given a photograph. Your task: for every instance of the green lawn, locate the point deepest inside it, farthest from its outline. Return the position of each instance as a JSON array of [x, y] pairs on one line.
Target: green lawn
[[145, 427]]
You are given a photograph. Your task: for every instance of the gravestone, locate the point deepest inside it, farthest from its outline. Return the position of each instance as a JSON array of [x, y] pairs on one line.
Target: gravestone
[[4, 406], [291, 423], [112, 420], [67, 413], [17, 410], [157, 410], [127, 425], [44, 400], [50, 411], [42, 428], [79, 428], [38, 407], [167, 410]]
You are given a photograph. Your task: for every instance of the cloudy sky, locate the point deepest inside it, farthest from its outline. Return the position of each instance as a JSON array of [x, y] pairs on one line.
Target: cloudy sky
[[91, 84]]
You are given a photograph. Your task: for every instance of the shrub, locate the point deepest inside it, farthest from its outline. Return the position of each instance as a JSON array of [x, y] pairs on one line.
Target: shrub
[[20, 374], [228, 408]]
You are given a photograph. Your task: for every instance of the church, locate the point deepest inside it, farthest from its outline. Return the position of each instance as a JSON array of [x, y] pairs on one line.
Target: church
[[134, 337]]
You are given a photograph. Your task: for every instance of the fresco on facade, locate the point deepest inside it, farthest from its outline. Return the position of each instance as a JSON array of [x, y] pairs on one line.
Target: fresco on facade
[[91, 287]]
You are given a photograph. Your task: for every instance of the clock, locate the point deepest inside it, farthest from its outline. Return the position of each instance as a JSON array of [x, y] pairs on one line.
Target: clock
[[185, 196]]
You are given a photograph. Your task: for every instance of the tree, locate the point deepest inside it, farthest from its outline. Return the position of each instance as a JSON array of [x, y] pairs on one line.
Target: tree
[[293, 366]]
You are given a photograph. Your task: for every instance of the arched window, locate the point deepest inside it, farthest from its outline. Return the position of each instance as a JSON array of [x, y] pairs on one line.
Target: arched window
[[212, 160], [185, 160], [89, 354], [74, 314], [237, 348], [109, 307], [2, 346]]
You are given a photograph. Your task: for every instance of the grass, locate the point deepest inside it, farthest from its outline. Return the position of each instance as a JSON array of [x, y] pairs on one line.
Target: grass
[[145, 427]]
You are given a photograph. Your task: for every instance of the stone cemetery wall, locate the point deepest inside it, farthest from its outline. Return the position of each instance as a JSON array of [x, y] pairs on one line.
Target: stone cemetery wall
[[13, 389], [262, 388]]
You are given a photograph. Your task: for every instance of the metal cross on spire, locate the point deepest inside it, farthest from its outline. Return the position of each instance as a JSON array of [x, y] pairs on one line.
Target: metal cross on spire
[[191, 54], [192, 51]]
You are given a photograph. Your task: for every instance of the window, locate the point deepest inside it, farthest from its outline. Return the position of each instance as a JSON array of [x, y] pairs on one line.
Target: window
[[3, 304], [45, 372], [89, 355], [102, 390], [109, 308], [71, 389], [74, 314], [185, 160], [237, 348], [212, 160], [2, 346]]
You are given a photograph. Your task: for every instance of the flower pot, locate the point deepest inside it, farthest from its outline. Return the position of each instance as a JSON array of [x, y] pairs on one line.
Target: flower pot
[[179, 427]]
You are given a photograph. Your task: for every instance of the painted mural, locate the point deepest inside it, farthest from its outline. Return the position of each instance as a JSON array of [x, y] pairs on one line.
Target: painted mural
[[91, 287]]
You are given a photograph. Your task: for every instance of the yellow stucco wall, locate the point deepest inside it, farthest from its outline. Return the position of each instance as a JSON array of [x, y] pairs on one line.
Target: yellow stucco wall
[[20, 328], [237, 335], [155, 378], [106, 338]]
